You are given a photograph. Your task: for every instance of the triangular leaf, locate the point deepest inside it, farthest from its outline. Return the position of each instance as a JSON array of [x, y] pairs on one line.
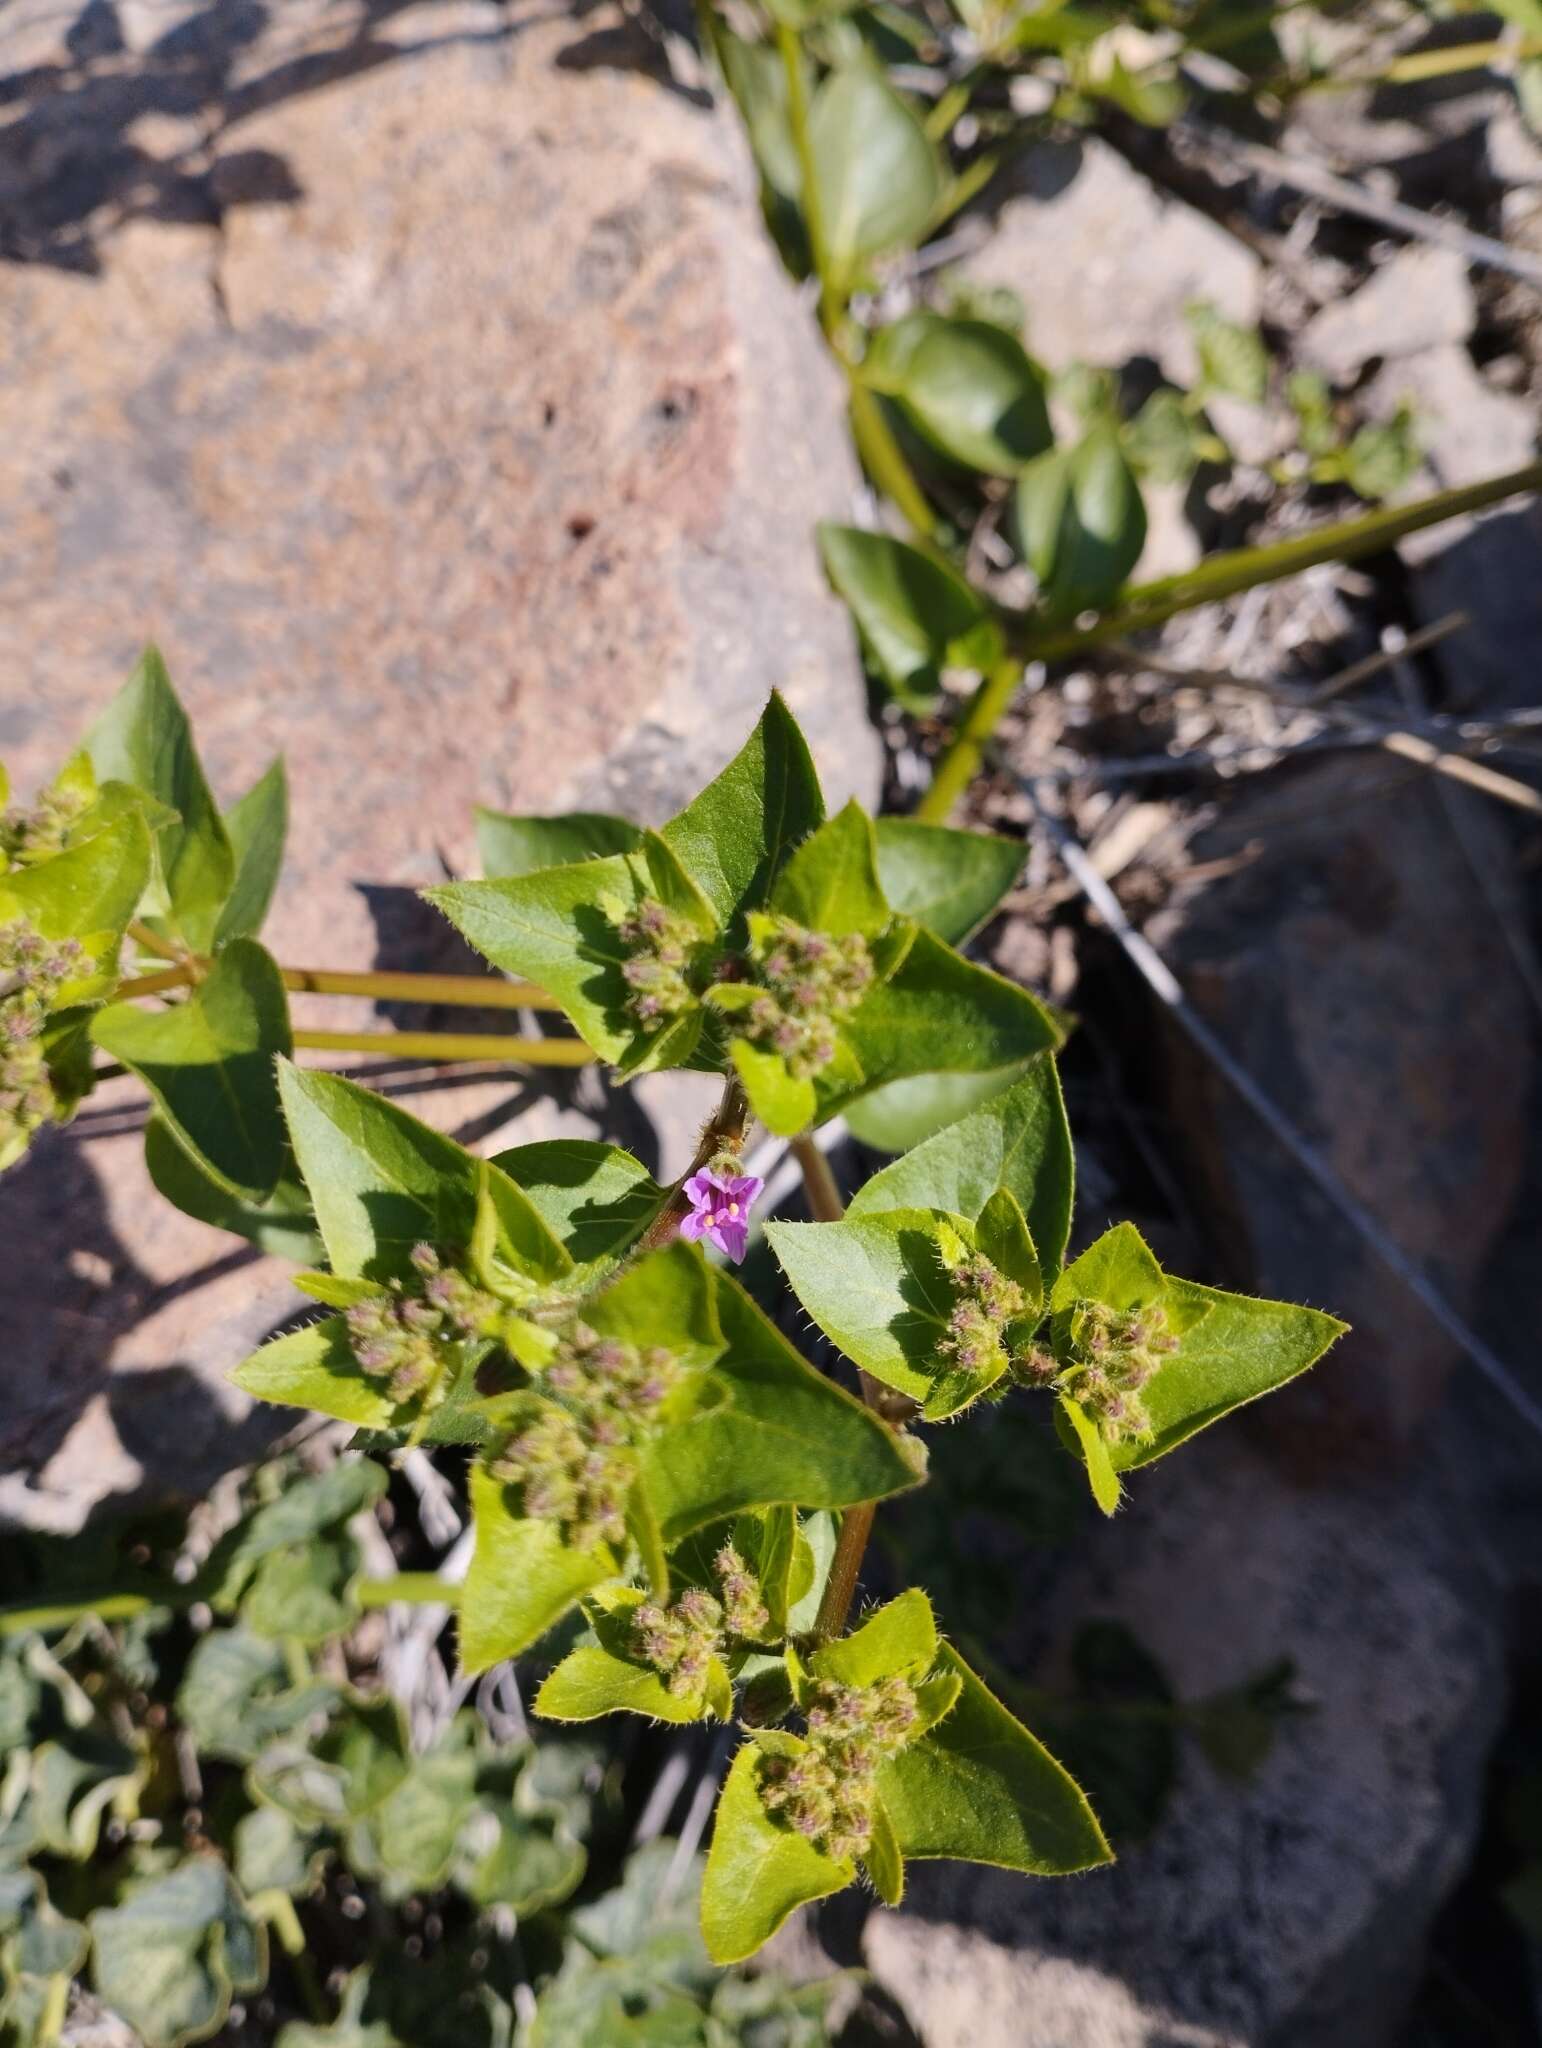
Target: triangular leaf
[[758, 1870], [518, 846], [830, 882], [914, 614], [948, 881], [524, 1577], [257, 825]]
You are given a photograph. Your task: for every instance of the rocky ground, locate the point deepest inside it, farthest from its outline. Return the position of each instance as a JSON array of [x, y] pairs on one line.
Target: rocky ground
[[404, 366]]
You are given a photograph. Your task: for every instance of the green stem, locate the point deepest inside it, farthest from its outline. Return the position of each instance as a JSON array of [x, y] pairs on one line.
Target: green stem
[[966, 750], [825, 1206], [1226, 575], [884, 459], [1422, 64], [412, 1589], [152, 942], [465, 991], [156, 984], [790, 49], [277, 1909], [19, 1621], [450, 1046]]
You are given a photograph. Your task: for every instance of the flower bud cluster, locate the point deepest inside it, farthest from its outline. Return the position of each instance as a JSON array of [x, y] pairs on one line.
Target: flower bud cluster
[[28, 836], [680, 1640], [826, 1791], [659, 945], [576, 1461], [1116, 1352], [808, 981], [744, 1611], [985, 1302], [32, 972], [404, 1336]]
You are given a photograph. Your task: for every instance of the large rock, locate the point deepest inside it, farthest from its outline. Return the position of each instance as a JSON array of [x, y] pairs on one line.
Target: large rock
[[1350, 965], [423, 380], [1289, 1913]]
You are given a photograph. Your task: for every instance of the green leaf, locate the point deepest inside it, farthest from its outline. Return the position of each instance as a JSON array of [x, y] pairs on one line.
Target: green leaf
[[733, 838], [315, 1368], [1164, 440], [88, 892], [606, 1677], [1002, 1233], [237, 1695], [594, 1199], [306, 1510], [915, 615], [257, 825], [878, 175], [830, 882], [144, 738], [169, 1957], [299, 1595], [413, 1833], [348, 2030], [667, 1297], [1082, 1434], [779, 1431], [877, 1287], [785, 1103], [524, 1577], [518, 846], [884, 1864], [383, 1182], [948, 881], [270, 1853], [980, 1788], [526, 1865], [208, 1064], [1232, 358], [1081, 523], [904, 1114], [557, 928], [899, 1639], [283, 1225], [966, 386], [1019, 1140], [758, 1870], [940, 1013]]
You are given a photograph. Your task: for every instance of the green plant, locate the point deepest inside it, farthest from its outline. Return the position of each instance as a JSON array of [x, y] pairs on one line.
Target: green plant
[[649, 1460]]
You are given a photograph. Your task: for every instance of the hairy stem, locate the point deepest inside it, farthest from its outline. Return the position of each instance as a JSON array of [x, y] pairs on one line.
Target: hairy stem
[[961, 762], [826, 1206], [723, 1132], [450, 1046]]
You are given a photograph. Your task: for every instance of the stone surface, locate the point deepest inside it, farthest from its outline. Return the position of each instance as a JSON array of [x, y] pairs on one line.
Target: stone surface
[[1105, 265], [1289, 1912], [1420, 298], [1350, 965], [1467, 430], [422, 379]]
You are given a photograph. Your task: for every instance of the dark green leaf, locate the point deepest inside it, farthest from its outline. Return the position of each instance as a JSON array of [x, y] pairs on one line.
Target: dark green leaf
[[1081, 523], [208, 1062], [914, 614], [779, 1432], [979, 1787], [595, 1199], [967, 386], [283, 1225]]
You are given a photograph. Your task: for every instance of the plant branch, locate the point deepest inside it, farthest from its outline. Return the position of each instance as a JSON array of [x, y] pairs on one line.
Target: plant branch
[[965, 751], [156, 984], [466, 991], [450, 1046], [825, 1206], [1239, 569], [152, 942], [723, 1132]]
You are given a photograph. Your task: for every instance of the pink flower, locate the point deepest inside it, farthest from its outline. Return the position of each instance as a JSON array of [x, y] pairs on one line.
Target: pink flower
[[720, 1210]]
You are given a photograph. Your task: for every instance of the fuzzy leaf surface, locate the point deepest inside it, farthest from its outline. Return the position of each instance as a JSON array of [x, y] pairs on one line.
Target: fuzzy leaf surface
[[948, 881]]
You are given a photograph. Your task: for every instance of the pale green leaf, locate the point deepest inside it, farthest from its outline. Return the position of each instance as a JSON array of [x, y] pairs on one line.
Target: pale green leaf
[[758, 1870], [315, 1368], [144, 738], [256, 825], [524, 1576], [518, 846], [898, 1640], [878, 175], [830, 882], [169, 1957], [283, 1225]]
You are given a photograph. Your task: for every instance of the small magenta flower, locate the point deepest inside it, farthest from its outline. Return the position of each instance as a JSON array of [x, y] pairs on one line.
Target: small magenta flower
[[720, 1210]]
